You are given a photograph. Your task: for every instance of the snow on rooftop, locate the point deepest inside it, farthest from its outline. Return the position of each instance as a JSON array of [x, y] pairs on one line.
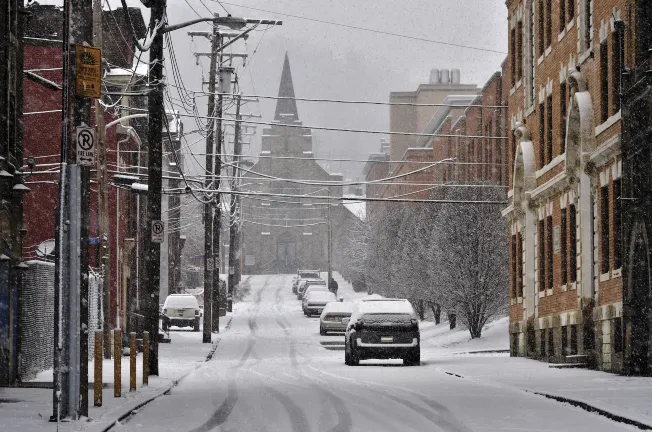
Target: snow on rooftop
[[358, 208]]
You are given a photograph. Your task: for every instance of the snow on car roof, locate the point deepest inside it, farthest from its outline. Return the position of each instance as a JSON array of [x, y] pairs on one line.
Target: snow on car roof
[[181, 301], [320, 295], [389, 306], [339, 307]]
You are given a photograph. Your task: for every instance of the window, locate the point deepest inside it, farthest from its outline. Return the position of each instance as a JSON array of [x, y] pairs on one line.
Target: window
[[571, 11], [542, 257], [551, 342], [564, 340], [573, 341], [519, 50], [617, 226], [616, 52], [604, 228], [563, 111], [513, 56], [562, 15], [514, 267], [573, 243], [564, 248], [604, 81], [541, 28], [618, 335], [549, 128], [542, 135], [519, 264], [549, 257], [548, 23], [542, 345]]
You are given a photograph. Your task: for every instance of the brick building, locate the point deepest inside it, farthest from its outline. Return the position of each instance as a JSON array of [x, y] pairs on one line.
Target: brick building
[[565, 210], [637, 190], [42, 141], [11, 186]]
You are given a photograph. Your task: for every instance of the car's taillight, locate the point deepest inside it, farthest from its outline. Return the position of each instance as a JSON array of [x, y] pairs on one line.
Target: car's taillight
[[328, 318]]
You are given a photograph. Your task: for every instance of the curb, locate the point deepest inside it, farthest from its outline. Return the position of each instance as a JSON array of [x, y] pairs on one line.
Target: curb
[[134, 410], [576, 403]]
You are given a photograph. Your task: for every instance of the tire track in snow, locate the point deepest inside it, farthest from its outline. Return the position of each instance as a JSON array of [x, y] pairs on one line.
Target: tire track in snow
[[298, 418]]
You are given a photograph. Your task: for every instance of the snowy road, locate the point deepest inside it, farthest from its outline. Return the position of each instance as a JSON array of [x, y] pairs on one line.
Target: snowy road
[[273, 372]]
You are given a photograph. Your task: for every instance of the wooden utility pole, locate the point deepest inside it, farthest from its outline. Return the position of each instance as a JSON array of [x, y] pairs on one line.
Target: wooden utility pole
[[103, 196], [154, 181], [209, 262], [233, 228]]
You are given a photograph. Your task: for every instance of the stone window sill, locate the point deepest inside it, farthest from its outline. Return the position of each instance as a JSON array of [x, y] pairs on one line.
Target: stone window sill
[[617, 273], [587, 55], [561, 35], [608, 123], [605, 277]]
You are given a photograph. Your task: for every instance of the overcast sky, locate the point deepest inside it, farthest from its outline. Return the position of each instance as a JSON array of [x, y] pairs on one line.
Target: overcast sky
[[330, 61]]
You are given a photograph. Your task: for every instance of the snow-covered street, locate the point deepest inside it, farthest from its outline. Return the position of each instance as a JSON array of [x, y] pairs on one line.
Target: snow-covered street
[[273, 372]]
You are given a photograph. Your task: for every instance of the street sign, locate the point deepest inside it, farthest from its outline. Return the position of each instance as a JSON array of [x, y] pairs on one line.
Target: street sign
[[85, 142], [158, 231], [88, 72]]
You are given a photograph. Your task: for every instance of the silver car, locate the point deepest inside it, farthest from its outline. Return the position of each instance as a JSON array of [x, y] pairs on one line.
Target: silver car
[[316, 300], [332, 315]]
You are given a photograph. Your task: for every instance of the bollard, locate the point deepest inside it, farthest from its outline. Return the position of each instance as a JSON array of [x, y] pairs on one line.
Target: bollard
[[117, 363], [97, 363], [132, 361], [145, 358]]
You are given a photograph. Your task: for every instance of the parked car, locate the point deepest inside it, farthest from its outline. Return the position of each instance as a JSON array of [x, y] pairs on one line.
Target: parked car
[[306, 283], [331, 317], [382, 329], [315, 300], [308, 290], [305, 277], [181, 310]]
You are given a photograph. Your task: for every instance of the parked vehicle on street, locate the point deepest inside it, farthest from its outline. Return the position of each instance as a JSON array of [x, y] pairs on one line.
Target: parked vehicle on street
[[382, 329], [181, 310], [304, 275], [331, 317], [306, 283], [315, 301], [307, 291]]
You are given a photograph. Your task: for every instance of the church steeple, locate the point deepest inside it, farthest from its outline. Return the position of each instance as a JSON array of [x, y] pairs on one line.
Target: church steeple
[[286, 109]]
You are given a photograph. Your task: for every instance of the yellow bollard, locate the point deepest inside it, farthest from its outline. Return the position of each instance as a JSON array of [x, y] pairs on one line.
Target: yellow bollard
[[97, 363], [117, 363], [132, 361], [145, 358]]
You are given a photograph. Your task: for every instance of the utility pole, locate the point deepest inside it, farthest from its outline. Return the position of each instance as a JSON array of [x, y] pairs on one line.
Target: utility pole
[[209, 262], [233, 226], [70, 372], [154, 180], [103, 197], [330, 240]]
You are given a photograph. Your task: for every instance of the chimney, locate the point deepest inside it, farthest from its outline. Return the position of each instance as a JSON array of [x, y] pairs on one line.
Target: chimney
[[455, 76], [445, 76], [435, 77]]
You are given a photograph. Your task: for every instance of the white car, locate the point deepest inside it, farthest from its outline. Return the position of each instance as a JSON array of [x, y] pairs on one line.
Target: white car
[[311, 288], [304, 284], [181, 310], [316, 301], [332, 316]]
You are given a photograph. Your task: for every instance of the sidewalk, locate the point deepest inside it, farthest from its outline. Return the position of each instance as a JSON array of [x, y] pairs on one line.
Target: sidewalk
[[29, 409], [611, 395]]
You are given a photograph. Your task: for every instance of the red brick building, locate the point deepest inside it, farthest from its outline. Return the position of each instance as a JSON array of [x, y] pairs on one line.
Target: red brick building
[[42, 141], [564, 212]]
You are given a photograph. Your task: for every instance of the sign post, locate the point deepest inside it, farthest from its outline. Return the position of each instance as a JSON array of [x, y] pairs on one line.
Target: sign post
[[158, 231], [85, 140]]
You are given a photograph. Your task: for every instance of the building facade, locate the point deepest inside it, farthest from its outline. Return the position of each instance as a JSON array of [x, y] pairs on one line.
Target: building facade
[[11, 197], [564, 214], [637, 203]]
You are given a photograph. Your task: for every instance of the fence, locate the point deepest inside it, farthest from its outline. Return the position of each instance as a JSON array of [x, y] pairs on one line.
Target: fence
[[37, 317]]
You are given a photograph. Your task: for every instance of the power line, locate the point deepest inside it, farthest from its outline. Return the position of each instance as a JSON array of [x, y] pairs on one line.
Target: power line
[[352, 27]]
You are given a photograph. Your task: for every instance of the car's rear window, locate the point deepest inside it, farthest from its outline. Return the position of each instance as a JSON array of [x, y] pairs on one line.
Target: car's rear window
[[317, 282], [386, 318], [181, 302]]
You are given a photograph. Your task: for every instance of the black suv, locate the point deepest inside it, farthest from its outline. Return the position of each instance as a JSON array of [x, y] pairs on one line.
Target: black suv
[[383, 329]]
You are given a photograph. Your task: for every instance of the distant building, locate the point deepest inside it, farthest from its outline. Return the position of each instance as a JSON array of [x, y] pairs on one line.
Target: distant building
[[282, 232]]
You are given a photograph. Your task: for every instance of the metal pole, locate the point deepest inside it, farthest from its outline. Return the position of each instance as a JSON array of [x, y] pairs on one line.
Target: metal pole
[[330, 242], [103, 196], [154, 171], [233, 226], [208, 210]]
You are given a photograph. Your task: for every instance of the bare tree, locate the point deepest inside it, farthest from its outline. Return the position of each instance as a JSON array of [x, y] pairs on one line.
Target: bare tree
[[469, 257]]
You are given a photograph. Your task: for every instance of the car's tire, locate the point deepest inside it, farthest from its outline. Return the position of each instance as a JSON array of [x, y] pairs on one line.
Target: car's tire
[[413, 359], [347, 356], [308, 314], [195, 327], [322, 332], [355, 360]]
